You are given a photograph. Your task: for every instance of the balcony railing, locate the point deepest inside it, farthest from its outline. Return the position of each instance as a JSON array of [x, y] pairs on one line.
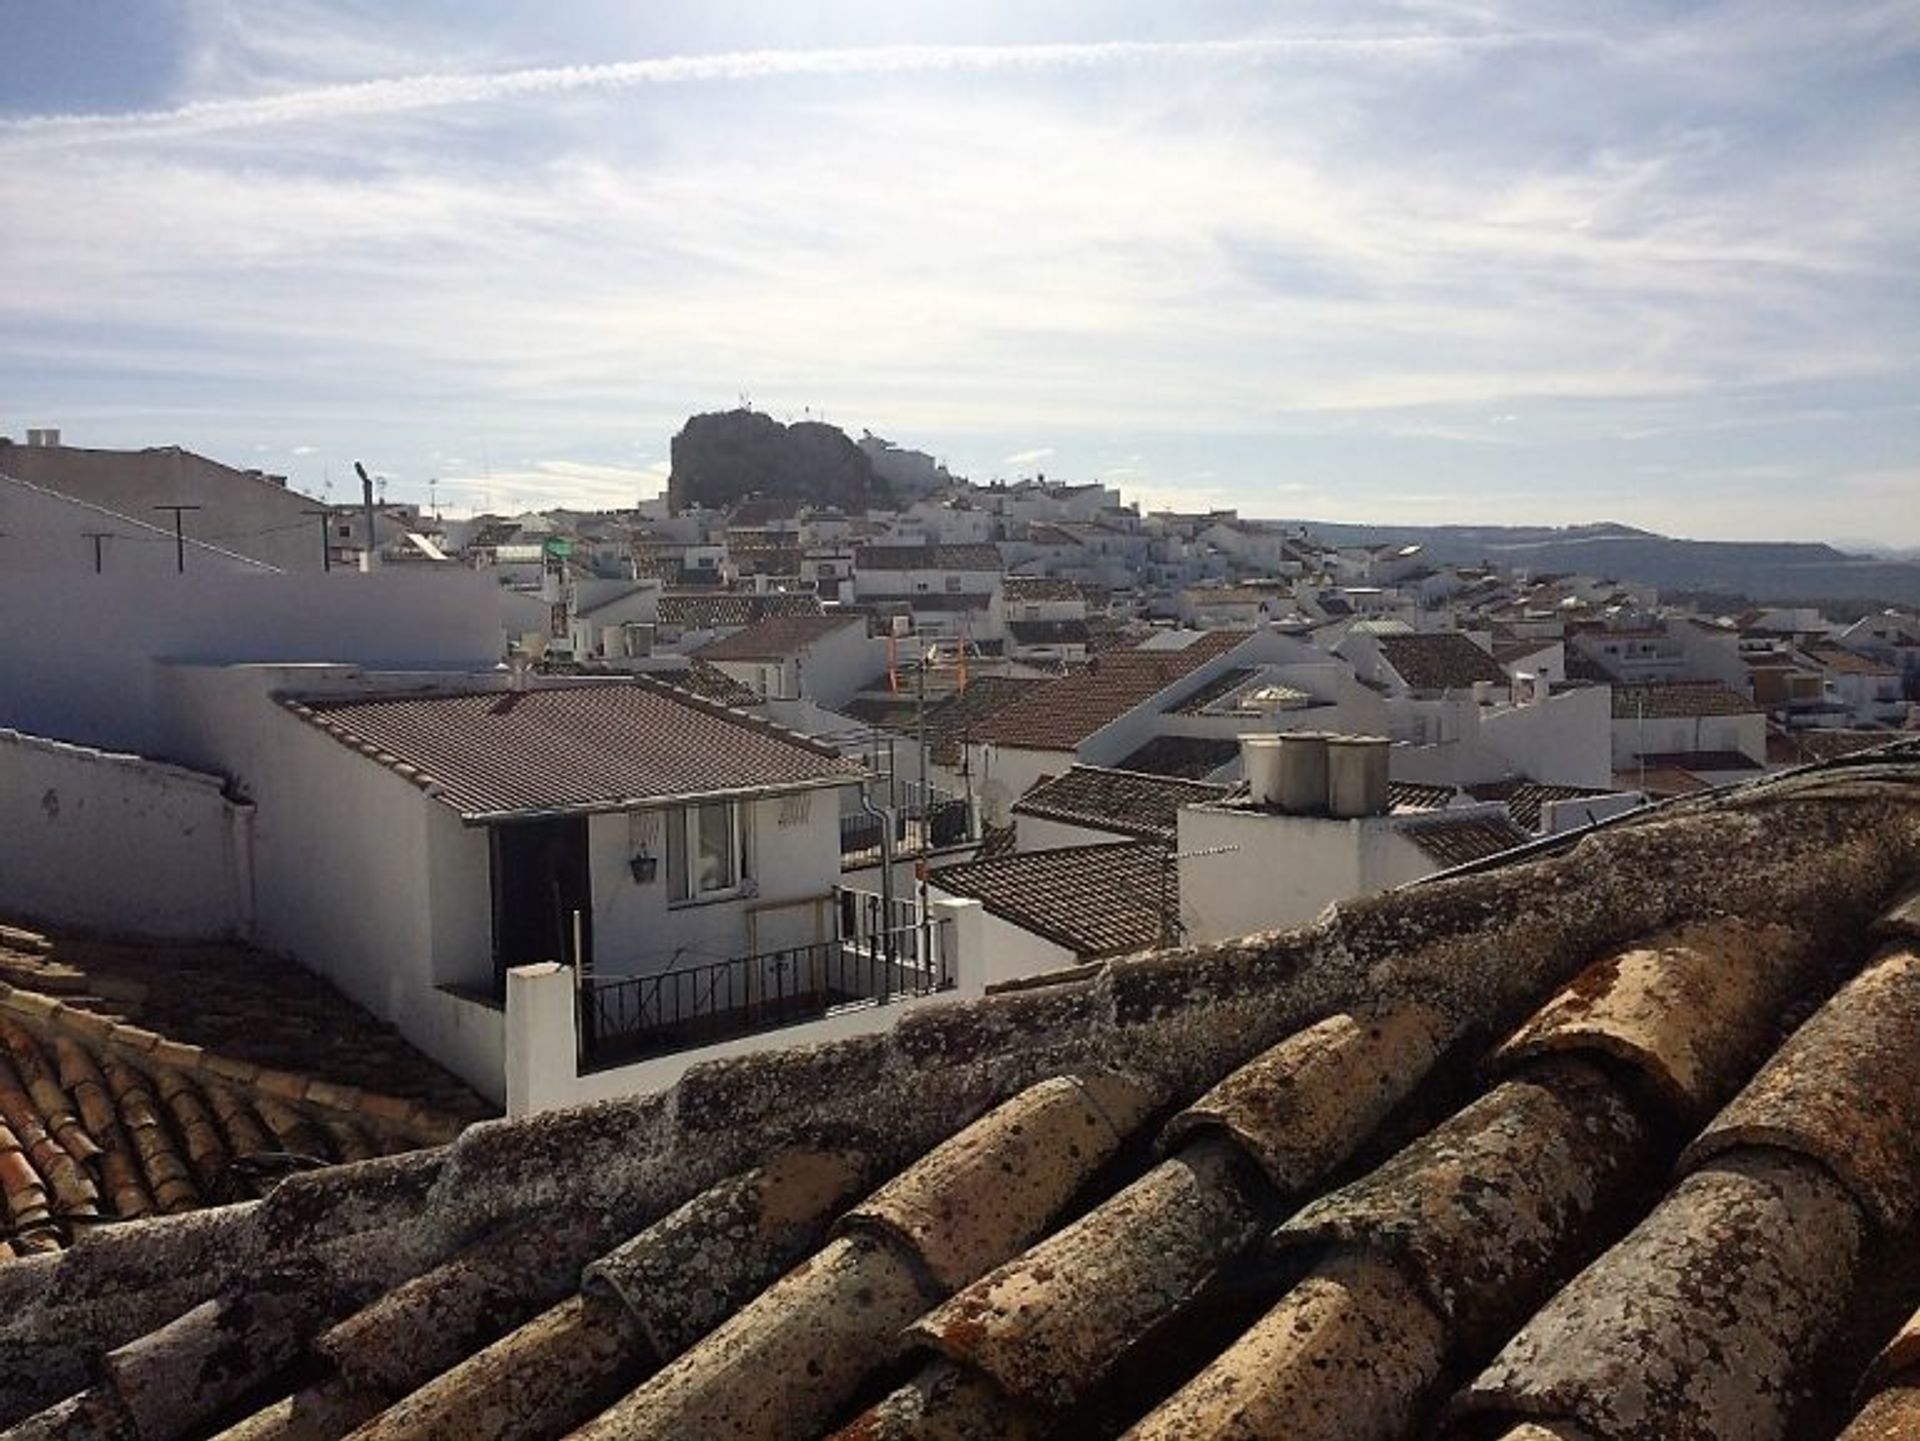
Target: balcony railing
[[945, 821], [634, 1018]]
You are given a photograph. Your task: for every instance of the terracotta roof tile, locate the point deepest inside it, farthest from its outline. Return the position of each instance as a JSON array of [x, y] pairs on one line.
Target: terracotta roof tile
[[1440, 660], [1126, 802], [1526, 799], [1691, 1011], [1844, 1091], [1097, 900], [1678, 699], [1190, 758], [1743, 1303], [570, 749], [1709, 1306], [1065, 712], [927, 557], [712, 610], [778, 637], [1461, 840]]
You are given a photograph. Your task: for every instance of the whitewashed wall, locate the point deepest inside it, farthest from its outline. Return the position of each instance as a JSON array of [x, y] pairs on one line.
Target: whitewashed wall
[[117, 843], [78, 650]]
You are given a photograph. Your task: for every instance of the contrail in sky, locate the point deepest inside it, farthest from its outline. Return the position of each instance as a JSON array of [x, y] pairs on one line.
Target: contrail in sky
[[428, 92]]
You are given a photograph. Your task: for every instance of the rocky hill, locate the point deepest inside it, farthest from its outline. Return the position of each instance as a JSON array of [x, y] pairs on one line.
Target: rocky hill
[[722, 458]]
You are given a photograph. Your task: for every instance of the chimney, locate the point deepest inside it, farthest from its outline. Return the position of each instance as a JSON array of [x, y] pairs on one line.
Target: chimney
[[1260, 763], [519, 667], [43, 436], [1356, 776], [1303, 773]]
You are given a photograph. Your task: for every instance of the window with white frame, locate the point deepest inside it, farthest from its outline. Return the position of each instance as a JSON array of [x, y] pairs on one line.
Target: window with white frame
[[706, 851]]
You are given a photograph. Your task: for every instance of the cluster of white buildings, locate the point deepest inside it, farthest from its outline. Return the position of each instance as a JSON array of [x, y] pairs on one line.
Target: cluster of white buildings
[[575, 800]]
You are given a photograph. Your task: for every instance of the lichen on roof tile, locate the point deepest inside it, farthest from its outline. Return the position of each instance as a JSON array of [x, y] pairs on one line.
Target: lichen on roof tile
[[1695, 1326], [1693, 1011], [1303, 1106], [1844, 1090], [1349, 1352], [1491, 1208]]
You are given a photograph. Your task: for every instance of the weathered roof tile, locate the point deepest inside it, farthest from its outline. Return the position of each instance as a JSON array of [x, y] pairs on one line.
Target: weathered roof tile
[[1693, 1327], [1692, 1011], [1845, 1091]]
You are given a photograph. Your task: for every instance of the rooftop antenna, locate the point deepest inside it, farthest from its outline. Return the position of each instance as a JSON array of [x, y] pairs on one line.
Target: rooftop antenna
[[433, 495]]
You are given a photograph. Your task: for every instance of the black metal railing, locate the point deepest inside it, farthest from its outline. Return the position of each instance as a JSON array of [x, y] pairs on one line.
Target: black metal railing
[[633, 1018], [941, 821]]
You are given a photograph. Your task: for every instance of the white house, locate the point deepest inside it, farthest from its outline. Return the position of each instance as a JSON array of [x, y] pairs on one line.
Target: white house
[[825, 659]]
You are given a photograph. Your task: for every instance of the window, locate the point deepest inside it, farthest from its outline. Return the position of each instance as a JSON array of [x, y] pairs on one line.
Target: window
[[953, 585], [706, 851]]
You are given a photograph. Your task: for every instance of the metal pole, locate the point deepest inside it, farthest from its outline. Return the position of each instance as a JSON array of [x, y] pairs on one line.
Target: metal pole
[[179, 535], [99, 555]]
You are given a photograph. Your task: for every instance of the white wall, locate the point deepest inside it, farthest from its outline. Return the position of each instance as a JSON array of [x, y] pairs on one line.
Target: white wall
[[795, 852], [359, 875], [45, 532], [1565, 739], [1634, 736], [1243, 871], [78, 650], [1036, 833], [119, 843]]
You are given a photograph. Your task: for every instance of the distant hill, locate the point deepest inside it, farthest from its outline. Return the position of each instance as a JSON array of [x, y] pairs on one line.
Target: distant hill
[[1777, 571], [722, 458]]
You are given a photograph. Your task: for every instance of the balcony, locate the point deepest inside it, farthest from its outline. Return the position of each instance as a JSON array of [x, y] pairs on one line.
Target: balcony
[[884, 954]]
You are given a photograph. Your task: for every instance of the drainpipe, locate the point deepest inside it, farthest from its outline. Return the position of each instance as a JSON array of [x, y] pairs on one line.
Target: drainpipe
[[885, 817]]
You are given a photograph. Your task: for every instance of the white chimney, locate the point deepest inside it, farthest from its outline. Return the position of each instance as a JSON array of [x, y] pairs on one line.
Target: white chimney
[[1357, 776], [1303, 773], [1260, 761]]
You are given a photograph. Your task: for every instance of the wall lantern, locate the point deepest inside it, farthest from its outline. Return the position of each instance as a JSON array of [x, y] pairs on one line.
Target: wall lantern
[[644, 867]]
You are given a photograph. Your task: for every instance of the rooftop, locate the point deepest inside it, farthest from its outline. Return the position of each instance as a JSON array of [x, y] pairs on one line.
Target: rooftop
[[1469, 1153], [1126, 802], [570, 749], [927, 557], [1440, 660], [1678, 699], [778, 637], [710, 610], [1069, 710], [1098, 900], [1460, 840], [1191, 758], [1040, 587]]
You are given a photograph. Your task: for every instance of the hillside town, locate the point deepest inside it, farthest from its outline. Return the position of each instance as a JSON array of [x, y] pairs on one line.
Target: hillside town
[[329, 830]]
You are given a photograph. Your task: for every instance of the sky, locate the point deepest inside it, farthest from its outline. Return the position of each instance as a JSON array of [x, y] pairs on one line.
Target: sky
[[1421, 262]]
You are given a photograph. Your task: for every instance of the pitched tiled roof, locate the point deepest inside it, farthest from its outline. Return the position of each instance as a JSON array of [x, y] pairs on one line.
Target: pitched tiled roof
[[927, 557], [1412, 796], [1678, 699], [1039, 587], [710, 609], [103, 1120], [1441, 660], [1420, 1168], [570, 749], [1699, 761], [1525, 798], [1098, 900], [1846, 662], [951, 720], [777, 637], [1460, 840], [1127, 802], [1188, 757], [1221, 686], [1069, 710], [709, 682]]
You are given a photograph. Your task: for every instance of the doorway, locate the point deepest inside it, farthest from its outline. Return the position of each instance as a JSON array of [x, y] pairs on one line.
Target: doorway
[[540, 880]]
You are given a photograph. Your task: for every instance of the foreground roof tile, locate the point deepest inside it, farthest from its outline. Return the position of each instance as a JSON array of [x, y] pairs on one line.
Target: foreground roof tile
[[1490, 1208], [985, 1194], [1049, 1325], [1348, 1353], [1692, 1011], [1694, 1327], [1893, 1415], [1303, 1106], [944, 1402], [1844, 1091]]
